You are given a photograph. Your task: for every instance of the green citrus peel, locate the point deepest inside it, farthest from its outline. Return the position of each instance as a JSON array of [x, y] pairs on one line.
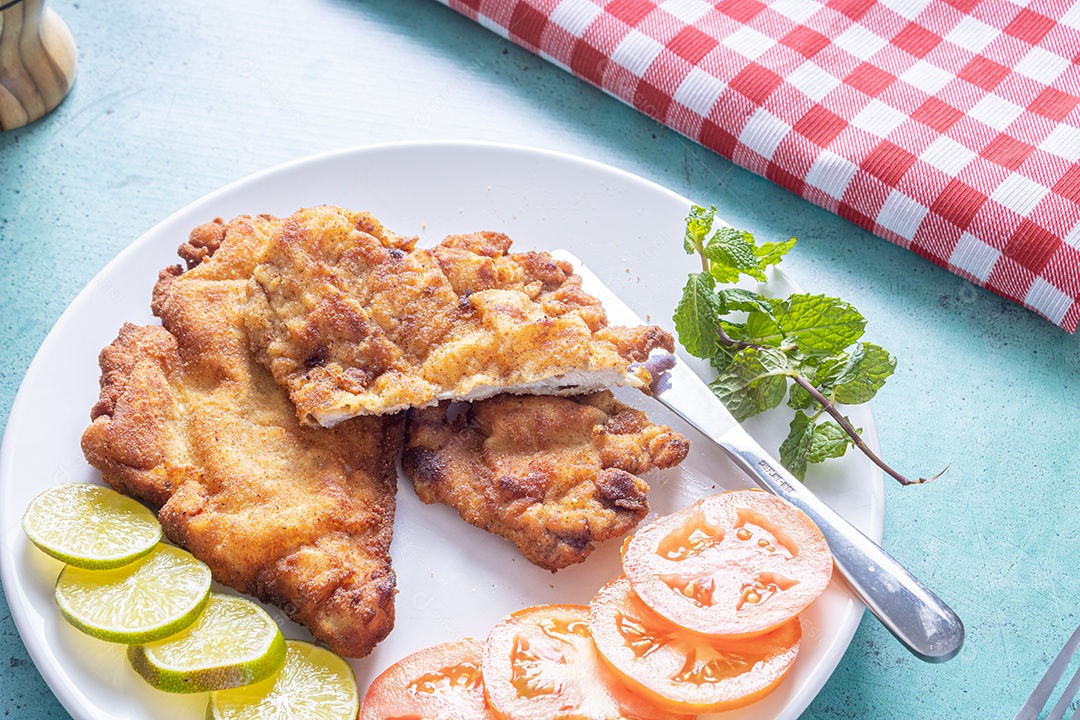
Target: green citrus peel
[[152, 598], [314, 684], [231, 644], [90, 526]]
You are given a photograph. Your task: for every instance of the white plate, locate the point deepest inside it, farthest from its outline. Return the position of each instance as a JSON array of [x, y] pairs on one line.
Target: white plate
[[454, 580]]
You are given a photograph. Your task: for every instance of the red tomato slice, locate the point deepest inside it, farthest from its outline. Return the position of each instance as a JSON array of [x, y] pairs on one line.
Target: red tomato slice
[[685, 671], [441, 682], [737, 563], [540, 663]]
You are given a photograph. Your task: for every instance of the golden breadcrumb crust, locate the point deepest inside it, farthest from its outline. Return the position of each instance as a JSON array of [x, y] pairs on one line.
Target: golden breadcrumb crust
[[276, 324], [554, 475], [191, 423], [351, 319]]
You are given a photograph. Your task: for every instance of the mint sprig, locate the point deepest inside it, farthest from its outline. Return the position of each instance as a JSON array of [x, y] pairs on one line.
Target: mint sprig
[[805, 347], [696, 313]]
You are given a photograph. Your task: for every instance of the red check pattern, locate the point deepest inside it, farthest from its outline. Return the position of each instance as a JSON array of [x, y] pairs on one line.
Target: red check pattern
[[949, 127]]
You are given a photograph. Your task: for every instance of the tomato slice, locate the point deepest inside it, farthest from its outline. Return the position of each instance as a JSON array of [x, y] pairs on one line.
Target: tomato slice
[[737, 563], [540, 663], [442, 682], [684, 671]]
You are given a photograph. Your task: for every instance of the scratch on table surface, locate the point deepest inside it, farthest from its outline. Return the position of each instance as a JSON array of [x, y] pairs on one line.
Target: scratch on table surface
[[989, 587], [1022, 545], [915, 707], [96, 104]]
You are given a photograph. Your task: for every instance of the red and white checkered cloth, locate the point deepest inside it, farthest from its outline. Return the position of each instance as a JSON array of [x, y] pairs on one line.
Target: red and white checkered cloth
[[949, 127]]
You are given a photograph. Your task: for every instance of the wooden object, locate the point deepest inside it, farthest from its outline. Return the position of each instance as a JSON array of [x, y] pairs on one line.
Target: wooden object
[[37, 61]]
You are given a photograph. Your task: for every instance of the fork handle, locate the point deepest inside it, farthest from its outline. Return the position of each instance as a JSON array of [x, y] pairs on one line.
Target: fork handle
[[908, 609], [1034, 704]]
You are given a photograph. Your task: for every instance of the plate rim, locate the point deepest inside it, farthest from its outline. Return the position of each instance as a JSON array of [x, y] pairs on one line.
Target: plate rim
[[51, 673]]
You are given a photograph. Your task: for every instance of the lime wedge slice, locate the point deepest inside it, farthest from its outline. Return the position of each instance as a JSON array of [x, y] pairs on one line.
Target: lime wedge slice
[[90, 526], [152, 598], [232, 643], [314, 684]]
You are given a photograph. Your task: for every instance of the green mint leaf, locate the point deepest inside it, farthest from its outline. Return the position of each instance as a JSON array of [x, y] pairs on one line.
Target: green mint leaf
[[867, 368], [731, 254], [820, 325], [761, 328], [753, 382], [850, 378], [795, 450], [813, 338], [799, 398], [724, 354], [832, 367], [821, 372], [829, 441], [734, 330], [807, 365], [736, 298], [697, 315], [772, 253], [841, 368], [698, 224], [812, 442]]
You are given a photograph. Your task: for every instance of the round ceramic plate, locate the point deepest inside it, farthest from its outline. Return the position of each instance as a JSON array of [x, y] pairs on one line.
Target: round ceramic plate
[[454, 580]]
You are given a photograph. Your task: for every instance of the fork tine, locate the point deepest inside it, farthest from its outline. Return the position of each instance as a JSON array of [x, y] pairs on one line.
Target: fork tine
[[1066, 697], [1034, 704]]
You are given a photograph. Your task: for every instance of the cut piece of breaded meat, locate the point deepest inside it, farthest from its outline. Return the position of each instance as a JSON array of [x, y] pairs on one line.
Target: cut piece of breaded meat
[[554, 475], [353, 320], [191, 423]]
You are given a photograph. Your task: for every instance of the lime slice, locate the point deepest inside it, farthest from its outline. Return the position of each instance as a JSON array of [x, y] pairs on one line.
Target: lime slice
[[314, 684], [232, 643], [90, 526], [154, 597]]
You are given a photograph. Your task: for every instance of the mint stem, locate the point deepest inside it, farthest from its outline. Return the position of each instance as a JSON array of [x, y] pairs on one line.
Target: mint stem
[[853, 433], [827, 405]]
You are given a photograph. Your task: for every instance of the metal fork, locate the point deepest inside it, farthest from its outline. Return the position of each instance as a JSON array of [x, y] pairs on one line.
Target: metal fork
[[1041, 695]]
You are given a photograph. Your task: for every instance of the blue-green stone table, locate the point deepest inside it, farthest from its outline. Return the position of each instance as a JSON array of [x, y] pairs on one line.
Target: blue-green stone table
[[173, 100]]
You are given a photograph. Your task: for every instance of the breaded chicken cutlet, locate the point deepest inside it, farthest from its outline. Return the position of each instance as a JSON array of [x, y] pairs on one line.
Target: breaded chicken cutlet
[[554, 475], [351, 319], [190, 422], [278, 324]]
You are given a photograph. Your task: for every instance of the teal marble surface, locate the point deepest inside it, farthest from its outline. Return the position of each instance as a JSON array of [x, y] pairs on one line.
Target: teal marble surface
[[174, 100]]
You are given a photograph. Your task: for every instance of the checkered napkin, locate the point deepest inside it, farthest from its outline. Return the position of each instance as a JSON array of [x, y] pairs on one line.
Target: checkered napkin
[[949, 127]]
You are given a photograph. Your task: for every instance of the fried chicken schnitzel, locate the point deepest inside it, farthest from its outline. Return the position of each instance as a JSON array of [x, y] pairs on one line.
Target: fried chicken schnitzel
[[554, 475], [280, 324], [353, 320], [191, 423]]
